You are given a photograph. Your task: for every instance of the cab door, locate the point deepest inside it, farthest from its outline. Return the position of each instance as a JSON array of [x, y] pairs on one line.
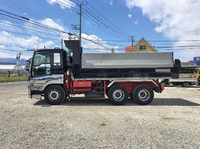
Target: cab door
[[57, 65], [41, 64]]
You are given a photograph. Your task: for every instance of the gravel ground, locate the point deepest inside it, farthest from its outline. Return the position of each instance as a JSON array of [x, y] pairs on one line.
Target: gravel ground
[[172, 120]]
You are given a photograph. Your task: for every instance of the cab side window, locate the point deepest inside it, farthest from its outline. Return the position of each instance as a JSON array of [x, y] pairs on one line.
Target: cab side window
[[41, 64], [41, 59], [56, 59]]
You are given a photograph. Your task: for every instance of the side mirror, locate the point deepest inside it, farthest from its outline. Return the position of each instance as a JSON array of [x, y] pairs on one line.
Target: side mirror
[[27, 69]]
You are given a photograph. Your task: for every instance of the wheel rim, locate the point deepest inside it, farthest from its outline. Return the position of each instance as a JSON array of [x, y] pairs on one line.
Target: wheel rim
[[54, 95], [186, 84], [118, 95], [144, 95]]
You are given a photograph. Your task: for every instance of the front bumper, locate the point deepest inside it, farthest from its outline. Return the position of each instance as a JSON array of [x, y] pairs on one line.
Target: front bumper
[[33, 93], [37, 85]]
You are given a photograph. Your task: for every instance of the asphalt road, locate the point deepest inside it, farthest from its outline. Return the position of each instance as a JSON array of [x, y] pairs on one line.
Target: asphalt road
[[172, 120]]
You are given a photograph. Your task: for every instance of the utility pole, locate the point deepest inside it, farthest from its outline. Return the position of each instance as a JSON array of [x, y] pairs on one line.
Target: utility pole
[[80, 24], [80, 13], [62, 43], [132, 40]]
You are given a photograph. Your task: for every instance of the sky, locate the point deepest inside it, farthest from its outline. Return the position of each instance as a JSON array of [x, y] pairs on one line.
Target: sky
[[107, 25]]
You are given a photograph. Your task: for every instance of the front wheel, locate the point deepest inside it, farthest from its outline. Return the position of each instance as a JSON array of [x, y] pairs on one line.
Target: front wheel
[[143, 94], [118, 95], [54, 94]]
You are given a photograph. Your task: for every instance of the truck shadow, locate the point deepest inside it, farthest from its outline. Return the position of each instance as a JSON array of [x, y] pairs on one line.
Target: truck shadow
[[191, 86], [173, 102], [130, 102]]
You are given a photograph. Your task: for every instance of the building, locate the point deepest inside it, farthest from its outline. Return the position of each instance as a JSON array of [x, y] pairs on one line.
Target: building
[[141, 46], [196, 60]]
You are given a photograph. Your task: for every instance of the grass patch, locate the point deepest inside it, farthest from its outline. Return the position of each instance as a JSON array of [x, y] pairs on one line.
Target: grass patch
[[12, 78]]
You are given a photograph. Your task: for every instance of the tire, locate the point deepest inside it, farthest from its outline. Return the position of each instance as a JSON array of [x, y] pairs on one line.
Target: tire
[[132, 94], [118, 95], [143, 94], [164, 84], [107, 90], [185, 84], [54, 94]]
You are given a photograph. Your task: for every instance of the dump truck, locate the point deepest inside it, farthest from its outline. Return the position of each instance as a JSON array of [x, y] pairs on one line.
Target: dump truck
[[57, 74], [189, 75]]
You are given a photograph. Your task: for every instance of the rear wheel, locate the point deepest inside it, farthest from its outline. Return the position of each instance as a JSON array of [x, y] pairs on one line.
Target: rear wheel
[[54, 94], [164, 84], [118, 95], [143, 94]]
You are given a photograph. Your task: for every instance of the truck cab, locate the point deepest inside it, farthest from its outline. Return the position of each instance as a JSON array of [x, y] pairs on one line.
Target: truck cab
[[47, 66], [47, 62]]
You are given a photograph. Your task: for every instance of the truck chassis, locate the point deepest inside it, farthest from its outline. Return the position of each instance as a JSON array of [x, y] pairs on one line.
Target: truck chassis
[[57, 88]]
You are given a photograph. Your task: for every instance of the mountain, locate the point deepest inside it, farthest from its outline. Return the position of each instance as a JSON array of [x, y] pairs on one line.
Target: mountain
[[187, 63], [12, 61]]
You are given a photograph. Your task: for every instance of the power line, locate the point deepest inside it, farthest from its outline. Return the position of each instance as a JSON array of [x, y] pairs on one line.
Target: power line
[[30, 11], [12, 46], [15, 50], [20, 8], [29, 29], [98, 22], [108, 20], [102, 24], [58, 2], [24, 19], [102, 29]]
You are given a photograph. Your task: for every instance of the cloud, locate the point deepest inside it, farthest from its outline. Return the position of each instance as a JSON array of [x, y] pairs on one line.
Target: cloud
[[52, 23], [101, 45], [176, 19], [136, 22], [129, 15], [63, 3], [5, 55], [7, 25], [31, 37], [54, 29], [27, 43], [40, 38], [33, 42], [111, 2]]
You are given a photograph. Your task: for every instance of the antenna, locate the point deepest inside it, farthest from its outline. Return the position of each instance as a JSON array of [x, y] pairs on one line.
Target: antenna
[[18, 56]]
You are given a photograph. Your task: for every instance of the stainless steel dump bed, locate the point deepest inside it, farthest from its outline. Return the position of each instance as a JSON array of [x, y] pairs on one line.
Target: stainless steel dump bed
[[127, 60], [121, 65]]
